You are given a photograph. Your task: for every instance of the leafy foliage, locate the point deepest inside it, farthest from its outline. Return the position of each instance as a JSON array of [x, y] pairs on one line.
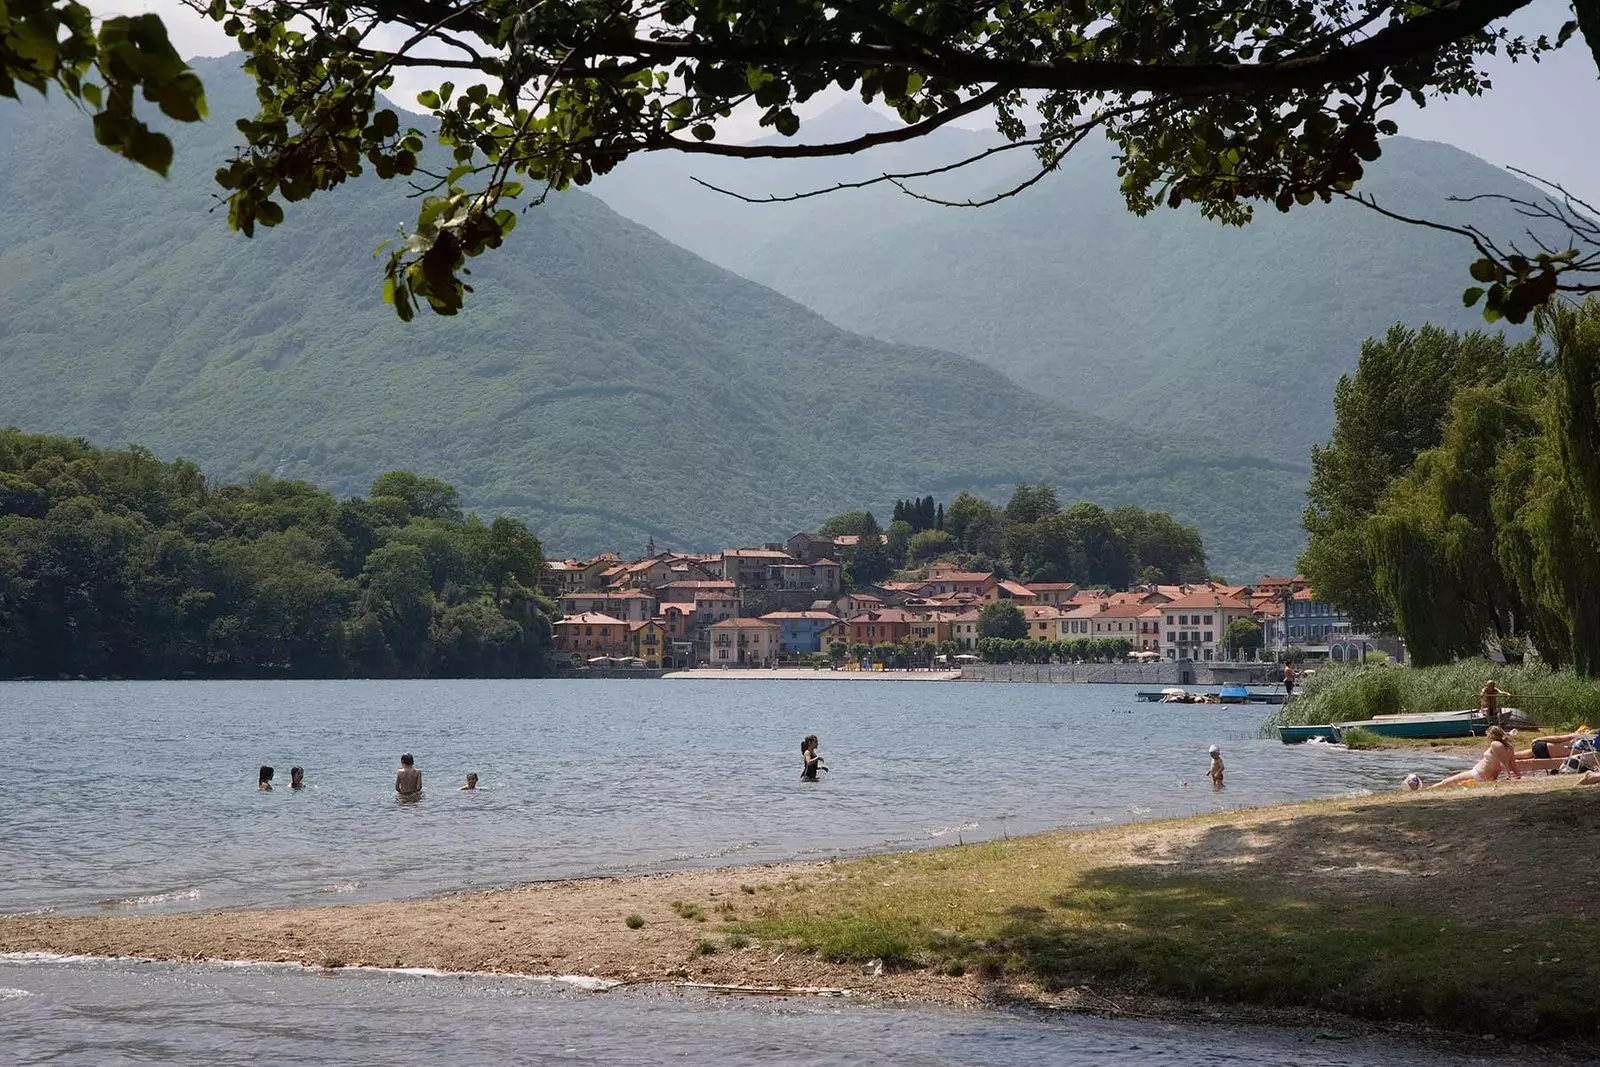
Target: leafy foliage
[[1002, 619], [113, 563], [1386, 414], [609, 388], [101, 66], [1282, 102], [1484, 537]]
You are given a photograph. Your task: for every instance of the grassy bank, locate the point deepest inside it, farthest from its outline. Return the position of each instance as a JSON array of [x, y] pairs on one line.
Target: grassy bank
[[1391, 910], [1555, 699]]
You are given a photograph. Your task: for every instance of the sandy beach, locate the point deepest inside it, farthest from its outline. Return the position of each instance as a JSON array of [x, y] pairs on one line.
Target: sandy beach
[[1455, 861]]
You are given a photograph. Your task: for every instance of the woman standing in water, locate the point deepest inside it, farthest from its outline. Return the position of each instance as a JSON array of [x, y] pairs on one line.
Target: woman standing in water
[[812, 761], [264, 780]]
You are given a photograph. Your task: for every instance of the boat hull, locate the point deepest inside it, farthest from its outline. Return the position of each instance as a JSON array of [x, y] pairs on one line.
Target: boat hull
[[1294, 735], [1430, 729]]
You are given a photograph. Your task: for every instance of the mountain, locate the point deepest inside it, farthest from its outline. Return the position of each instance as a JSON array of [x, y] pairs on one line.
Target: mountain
[[603, 384], [1170, 321]]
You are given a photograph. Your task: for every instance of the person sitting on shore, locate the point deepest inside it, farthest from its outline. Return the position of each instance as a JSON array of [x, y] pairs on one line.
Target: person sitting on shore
[[1215, 773], [1499, 758], [297, 777], [812, 761], [264, 781], [408, 780], [472, 783]]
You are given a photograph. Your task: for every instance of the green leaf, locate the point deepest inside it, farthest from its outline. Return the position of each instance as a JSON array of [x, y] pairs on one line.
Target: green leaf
[[704, 131], [430, 100], [1484, 270], [1471, 296]]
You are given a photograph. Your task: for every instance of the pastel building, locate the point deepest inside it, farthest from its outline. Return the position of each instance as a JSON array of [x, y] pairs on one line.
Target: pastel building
[[743, 643], [800, 632]]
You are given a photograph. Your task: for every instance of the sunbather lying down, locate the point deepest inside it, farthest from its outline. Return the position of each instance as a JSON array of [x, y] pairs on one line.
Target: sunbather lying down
[[1555, 746]]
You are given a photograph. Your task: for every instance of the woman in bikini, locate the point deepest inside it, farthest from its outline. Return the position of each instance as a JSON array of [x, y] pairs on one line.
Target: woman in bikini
[[1499, 758], [812, 761]]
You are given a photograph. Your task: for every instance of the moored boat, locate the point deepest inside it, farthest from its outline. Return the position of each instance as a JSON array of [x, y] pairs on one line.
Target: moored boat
[[1234, 694], [1427, 726]]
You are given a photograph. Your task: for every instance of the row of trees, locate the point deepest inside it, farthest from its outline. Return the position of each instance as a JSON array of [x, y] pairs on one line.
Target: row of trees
[[115, 564], [1458, 500], [1080, 650], [1032, 538]]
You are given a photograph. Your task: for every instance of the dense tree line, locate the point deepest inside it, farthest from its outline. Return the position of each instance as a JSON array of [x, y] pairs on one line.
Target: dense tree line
[[115, 564], [1032, 539], [1458, 500]]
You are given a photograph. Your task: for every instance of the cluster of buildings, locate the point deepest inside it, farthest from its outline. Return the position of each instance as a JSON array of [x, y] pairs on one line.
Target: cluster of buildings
[[778, 603]]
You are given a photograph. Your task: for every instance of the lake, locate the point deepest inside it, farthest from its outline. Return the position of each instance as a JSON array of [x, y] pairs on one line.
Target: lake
[[141, 795], [103, 1014]]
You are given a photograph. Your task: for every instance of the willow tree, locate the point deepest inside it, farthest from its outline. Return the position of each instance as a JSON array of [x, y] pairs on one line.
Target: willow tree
[[1212, 103], [1432, 542]]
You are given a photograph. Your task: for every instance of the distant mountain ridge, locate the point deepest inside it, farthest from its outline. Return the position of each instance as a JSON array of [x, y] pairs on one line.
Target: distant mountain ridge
[[602, 384], [1169, 321]]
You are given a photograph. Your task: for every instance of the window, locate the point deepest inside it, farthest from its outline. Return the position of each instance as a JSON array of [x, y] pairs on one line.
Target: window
[[1169, 620], [588, 631], [1208, 637], [1208, 623], [1183, 620]]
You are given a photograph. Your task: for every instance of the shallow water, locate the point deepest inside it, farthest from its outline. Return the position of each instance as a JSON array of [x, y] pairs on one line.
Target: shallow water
[[122, 1013], [141, 796]]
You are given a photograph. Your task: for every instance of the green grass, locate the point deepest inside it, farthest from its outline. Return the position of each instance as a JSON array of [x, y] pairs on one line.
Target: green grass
[[1300, 912], [634, 922], [689, 911], [1554, 699], [705, 947], [738, 941], [1359, 738]]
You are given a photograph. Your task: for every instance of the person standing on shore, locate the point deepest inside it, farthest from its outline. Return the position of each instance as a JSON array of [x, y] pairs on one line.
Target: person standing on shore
[[1489, 700], [408, 780], [811, 761]]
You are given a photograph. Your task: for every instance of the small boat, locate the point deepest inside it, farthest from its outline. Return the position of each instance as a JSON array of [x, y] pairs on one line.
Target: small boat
[[1175, 695], [1424, 727], [1234, 694], [1427, 727], [1294, 735]]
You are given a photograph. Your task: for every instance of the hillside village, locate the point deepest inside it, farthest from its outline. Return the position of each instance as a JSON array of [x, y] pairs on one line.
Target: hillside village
[[787, 603]]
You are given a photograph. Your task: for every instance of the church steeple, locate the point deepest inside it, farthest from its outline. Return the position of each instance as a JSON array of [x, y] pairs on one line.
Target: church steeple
[[650, 549]]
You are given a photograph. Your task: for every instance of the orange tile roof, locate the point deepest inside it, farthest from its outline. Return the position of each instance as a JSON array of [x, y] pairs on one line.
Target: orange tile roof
[[590, 618], [1042, 612], [1205, 598], [818, 615], [755, 553], [1105, 609], [1018, 592], [683, 609], [960, 576], [742, 624], [1039, 587]]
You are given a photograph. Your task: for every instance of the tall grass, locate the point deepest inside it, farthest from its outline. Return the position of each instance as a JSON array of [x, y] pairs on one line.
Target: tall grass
[[1556, 699]]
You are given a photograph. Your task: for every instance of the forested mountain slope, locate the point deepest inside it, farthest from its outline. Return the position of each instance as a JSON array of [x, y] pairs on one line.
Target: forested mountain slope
[[1170, 321], [603, 384]]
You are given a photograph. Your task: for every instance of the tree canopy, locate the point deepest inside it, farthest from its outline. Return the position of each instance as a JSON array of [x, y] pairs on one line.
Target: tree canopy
[[113, 563], [1478, 529], [1214, 104]]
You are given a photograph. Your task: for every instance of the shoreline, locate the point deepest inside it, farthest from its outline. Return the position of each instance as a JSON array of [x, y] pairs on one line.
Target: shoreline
[[951, 926], [794, 674]]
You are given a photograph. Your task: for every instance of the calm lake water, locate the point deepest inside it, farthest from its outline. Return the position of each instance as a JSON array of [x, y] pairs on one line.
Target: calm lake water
[[118, 1013], [141, 796]]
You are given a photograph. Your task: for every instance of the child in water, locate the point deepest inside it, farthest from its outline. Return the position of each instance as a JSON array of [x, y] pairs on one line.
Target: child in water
[[1215, 773], [813, 762], [264, 782]]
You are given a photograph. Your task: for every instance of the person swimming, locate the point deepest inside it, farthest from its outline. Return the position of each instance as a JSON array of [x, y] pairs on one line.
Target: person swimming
[[811, 761], [408, 780], [297, 777], [264, 782], [1499, 758], [472, 783]]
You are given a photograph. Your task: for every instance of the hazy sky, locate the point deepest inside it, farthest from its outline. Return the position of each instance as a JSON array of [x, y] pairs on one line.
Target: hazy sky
[[1544, 117]]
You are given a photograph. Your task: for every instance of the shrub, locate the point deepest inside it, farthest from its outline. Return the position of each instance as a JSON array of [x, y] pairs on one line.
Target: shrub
[[634, 922]]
